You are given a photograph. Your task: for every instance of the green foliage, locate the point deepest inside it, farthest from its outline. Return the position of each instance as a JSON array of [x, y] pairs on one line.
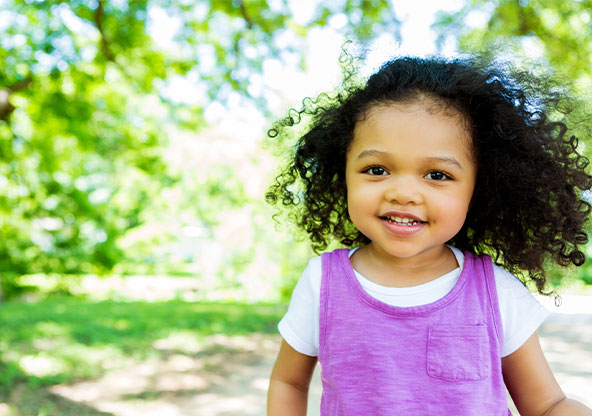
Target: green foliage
[[551, 34], [73, 129], [84, 113], [559, 28]]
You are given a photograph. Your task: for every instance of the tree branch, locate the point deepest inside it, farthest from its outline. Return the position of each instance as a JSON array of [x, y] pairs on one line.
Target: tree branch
[[99, 15], [245, 14]]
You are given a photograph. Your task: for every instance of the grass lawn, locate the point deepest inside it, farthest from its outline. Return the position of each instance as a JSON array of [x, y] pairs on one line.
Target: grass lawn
[[68, 339]]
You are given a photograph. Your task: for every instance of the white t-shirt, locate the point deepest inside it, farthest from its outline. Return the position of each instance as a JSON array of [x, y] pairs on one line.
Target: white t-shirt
[[521, 313]]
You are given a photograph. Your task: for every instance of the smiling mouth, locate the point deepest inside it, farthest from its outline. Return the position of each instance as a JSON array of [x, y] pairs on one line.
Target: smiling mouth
[[402, 221]]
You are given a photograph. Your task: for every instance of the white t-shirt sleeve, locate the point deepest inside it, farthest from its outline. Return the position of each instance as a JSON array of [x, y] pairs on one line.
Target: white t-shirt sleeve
[[521, 312], [300, 326]]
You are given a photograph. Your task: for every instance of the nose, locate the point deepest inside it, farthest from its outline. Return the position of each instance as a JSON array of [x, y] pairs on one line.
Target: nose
[[403, 190]]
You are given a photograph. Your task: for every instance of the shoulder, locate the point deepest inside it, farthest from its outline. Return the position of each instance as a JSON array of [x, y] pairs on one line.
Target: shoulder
[[510, 287], [308, 288], [507, 282], [314, 269], [504, 280]]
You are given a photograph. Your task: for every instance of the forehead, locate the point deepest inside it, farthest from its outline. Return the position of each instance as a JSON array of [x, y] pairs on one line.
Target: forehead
[[418, 125]]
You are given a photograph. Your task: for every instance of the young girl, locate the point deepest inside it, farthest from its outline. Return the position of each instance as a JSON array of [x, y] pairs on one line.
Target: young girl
[[445, 177]]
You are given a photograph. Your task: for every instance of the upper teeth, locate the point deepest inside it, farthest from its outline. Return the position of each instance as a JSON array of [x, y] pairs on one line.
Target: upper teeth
[[402, 220]]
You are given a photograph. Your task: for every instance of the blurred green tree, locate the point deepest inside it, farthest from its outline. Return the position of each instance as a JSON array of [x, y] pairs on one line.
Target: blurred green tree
[[83, 110], [554, 34]]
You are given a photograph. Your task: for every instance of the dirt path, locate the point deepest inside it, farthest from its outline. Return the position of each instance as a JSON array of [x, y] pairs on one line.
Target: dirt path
[[229, 375]]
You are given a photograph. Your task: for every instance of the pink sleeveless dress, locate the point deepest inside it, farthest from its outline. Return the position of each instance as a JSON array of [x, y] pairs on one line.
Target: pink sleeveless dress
[[443, 358]]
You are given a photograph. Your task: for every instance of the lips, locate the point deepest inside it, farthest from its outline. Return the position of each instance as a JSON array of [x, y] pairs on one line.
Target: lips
[[402, 224]]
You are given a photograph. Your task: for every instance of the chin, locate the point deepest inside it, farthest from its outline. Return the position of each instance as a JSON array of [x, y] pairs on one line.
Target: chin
[[408, 252]]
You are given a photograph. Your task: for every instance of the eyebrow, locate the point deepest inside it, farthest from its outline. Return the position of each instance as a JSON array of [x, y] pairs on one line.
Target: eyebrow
[[372, 152], [446, 159], [442, 159]]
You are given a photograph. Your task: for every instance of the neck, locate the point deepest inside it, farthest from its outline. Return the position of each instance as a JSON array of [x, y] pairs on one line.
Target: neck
[[388, 270]]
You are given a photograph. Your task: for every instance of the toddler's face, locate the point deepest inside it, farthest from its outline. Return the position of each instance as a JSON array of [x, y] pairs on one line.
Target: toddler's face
[[410, 176]]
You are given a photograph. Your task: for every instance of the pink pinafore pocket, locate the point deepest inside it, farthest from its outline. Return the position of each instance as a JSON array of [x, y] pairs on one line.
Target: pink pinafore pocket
[[458, 352]]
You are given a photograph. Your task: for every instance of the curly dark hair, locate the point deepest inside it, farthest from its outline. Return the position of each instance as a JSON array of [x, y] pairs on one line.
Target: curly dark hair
[[527, 206]]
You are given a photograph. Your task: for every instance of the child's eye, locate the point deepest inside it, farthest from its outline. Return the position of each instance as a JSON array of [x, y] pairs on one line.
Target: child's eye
[[436, 175], [375, 171]]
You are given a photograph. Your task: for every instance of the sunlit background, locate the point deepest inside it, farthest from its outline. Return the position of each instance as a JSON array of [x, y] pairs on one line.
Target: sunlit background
[[134, 162]]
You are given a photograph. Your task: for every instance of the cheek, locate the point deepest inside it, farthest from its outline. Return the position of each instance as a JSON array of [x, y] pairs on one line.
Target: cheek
[[461, 209], [360, 197], [357, 204], [454, 207]]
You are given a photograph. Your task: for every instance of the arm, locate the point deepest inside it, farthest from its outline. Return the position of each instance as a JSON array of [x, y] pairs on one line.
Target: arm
[[533, 387], [289, 382]]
